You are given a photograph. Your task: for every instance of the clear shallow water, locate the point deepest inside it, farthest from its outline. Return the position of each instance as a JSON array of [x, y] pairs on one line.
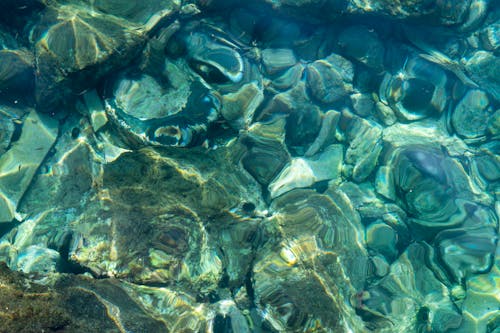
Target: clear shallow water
[[280, 167]]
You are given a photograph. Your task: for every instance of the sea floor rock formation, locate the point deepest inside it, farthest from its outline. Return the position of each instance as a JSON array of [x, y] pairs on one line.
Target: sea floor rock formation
[[274, 166]]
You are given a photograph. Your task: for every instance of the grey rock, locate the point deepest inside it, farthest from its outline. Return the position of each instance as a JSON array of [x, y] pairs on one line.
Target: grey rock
[[363, 104], [483, 67], [382, 238], [364, 139], [471, 116], [277, 60], [364, 45], [19, 164], [302, 172], [330, 79], [473, 250]]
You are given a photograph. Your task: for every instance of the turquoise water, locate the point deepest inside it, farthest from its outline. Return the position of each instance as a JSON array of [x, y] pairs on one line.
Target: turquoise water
[[219, 166]]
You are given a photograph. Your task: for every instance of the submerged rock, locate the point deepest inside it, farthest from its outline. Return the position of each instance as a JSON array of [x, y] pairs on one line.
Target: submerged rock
[[278, 60], [483, 67], [364, 139], [17, 76], [214, 166], [98, 42], [427, 183], [311, 236], [467, 251], [19, 164], [362, 44], [329, 79], [417, 91], [302, 172], [238, 108], [175, 223], [266, 152], [471, 115], [71, 303], [147, 113], [416, 288]]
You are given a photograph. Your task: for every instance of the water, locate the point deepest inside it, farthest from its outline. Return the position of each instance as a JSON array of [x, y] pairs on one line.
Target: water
[[215, 166]]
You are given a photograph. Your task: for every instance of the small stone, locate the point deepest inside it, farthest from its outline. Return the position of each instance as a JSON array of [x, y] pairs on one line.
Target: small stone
[[330, 79], [381, 266], [277, 60], [326, 133], [302, 172], [470, 117], [382, 238], [484, 69], [364, 45], [95, 108], [364, 145], [385, 114], [384, 183], [239, 107], [363, 104], [494, 123]]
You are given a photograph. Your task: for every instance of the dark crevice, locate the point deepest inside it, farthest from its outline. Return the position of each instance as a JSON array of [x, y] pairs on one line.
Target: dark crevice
[[249, 286], [16, 134], [248, 207], [224, 281], [65, 265], [7, 227], [321, 186], [222, 324]]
